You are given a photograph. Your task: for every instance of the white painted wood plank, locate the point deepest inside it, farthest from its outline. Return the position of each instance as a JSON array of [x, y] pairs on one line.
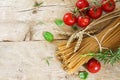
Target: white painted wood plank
[[11, 9], [13, 31], [25, 61]]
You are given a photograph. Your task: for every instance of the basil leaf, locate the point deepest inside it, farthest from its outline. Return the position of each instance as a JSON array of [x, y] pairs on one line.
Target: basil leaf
[[59, 22], [83, 75], [48, 36]]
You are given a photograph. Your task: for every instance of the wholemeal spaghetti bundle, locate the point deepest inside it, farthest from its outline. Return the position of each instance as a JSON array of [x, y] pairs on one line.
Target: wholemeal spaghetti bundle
[[108, 37]]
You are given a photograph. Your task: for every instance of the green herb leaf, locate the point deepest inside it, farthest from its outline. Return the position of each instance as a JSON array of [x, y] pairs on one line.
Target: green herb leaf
[[40, 22], [89, 54], [48, 59], [59, 22], [48, 36], [83, 75], [75, 27], [47, 62], [36, 4]]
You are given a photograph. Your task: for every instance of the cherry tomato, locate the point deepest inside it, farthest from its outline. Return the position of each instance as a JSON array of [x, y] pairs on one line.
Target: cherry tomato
[[93, 66], [83, 21], [69, 19], [95, 12], [108, 6], [82, 4]]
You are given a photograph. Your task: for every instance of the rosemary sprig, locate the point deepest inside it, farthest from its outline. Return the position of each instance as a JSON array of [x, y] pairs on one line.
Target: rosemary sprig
[[108, 56]]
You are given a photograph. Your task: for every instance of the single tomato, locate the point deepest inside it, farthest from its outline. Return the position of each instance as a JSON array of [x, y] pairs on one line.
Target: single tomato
[[95, 12], [93, 66], [80, 4], [108, 6], [69, 19], [83, 21]]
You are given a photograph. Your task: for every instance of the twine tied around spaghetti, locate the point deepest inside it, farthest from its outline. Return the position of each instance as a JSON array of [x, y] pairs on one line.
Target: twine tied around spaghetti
[[89, 30]]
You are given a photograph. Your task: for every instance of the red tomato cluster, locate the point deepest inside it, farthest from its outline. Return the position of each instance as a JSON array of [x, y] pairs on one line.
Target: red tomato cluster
[[88, 12]]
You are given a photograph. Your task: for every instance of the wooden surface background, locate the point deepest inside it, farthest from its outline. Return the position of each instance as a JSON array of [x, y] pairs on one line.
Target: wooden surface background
[[23, 58]]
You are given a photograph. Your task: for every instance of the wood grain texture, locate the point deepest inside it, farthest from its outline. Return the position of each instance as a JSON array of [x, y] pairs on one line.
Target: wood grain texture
[[25, 60], [20, 10], [13, 31]]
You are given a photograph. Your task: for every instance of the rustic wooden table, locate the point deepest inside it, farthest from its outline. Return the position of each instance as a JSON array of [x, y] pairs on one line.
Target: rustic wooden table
[[25, 57]]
